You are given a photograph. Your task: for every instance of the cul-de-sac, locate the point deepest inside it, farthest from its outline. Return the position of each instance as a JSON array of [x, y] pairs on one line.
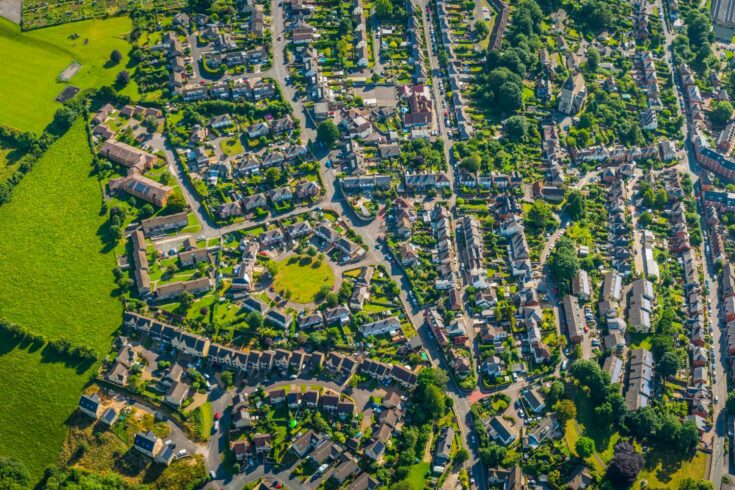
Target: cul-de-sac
[[367, 244]]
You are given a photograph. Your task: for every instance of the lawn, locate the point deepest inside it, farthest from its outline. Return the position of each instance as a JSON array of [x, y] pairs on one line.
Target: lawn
[[56, 281], [231, 146], [34, 59], [667, 470], [417, 475], [304, 279]]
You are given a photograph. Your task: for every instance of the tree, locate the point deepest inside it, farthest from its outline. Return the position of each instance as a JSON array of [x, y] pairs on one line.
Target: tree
[[692, 484], [593, 59], [668, 365], [565, 410], [576, 205], [481, 29], [327, 134], [585, 447], [645, 219], [540, 217], [510, 97], [187, 300], [115, 57], [13, 475], [123, 78], [563, 263], [64, 117], [150, 123], [625, 465], [721, 113], [273, 176], [493, 454], [384, 9], [556, 391], [516, 127], [461, 456], [730, 403], [176, 203], [227, 378], [687, 438], [471, 163], [254, 320]]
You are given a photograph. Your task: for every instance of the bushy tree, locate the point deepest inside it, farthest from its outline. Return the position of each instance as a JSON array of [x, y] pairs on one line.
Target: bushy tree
[[563, 263], [13, 475], [721, 113], [565, 410], [625, 465], [384, 9], [585, 447], [115, 56], [327, 133], [516, 127], [576, 205]]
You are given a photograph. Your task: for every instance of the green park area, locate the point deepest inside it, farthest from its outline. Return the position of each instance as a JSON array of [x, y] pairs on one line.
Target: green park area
[[57, 281], [34, 60], [303, 277]]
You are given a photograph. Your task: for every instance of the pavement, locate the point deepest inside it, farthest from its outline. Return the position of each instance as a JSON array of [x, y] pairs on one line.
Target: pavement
[[11, 10]]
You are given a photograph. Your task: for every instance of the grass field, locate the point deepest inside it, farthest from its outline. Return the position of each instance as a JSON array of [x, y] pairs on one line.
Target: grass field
[[50, 241], [231, 146], [304, 280], [34, 59], [55, 281], [665, 471]]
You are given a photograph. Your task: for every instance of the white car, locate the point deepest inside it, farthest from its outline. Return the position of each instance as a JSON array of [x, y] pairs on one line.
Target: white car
[[169, 443]]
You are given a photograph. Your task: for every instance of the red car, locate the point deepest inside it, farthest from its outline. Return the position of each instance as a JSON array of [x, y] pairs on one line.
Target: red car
[[216, 416]]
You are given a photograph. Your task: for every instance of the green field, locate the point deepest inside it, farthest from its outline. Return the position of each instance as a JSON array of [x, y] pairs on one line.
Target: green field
[[665, 471], [304, 280], [56, 281], [33, 61]]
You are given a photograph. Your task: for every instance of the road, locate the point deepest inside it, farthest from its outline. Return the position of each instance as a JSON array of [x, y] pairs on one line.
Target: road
[[689, 166]]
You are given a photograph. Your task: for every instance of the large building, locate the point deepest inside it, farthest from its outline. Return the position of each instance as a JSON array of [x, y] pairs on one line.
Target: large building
[[573, 94]]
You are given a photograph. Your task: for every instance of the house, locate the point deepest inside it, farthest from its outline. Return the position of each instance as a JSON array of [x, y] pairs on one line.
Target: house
[[147, 443], [345, 470], [499, 431], [163, 224], [142, 188], [533, 400], [242, 449], [90, 405], [381, 327], [443, 453], [109, 417], [375, 450], [574, 318], [305, 442], [573, 94], [279, 318], [177, 394], [262, 443], [176, 289], [138, 161], [493, 366], [277, 396]]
